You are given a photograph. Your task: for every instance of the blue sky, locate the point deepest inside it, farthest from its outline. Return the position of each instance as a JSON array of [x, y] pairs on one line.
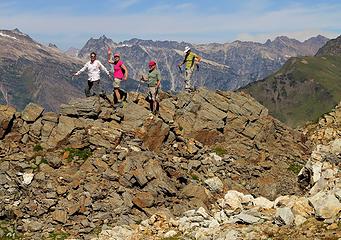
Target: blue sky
[[72, 22]]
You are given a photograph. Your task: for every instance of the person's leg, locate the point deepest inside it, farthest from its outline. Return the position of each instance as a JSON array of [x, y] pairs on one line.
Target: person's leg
[[88, 88], [117, 83], [96, 88], [152, 91], [188, 76], [156, 106]]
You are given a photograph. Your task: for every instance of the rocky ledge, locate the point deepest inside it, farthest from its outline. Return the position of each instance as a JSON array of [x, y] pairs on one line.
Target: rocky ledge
[[209, 161]]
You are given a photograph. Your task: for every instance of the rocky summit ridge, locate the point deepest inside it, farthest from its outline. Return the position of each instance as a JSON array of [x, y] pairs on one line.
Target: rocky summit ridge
[[211, 165]]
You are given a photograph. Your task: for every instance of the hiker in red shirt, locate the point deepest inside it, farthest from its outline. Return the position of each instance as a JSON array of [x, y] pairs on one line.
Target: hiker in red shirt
[[120, 73], [154, 82]]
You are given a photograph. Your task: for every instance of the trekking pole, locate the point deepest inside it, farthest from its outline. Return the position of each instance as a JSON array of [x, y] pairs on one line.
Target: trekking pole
[[180, 70], [138, 94]]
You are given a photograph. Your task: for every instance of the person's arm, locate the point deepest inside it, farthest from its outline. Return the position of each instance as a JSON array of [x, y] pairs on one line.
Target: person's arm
[[103, 68], [183, 62], [125, 71], [197, 58], [144, 78], [81, 70], [158, 80], [110, 57]]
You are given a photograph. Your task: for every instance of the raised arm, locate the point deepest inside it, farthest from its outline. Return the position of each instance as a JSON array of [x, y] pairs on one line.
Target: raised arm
[[110, 56]]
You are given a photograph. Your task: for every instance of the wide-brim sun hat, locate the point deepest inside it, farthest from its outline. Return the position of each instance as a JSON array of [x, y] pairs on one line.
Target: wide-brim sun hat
[[187, 48]]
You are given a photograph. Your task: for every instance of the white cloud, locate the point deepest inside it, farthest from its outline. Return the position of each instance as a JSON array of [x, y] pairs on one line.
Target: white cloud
[[121, 5], [250, 23]]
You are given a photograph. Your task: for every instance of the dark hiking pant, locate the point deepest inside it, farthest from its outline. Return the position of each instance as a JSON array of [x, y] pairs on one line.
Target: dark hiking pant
[[93, 89]]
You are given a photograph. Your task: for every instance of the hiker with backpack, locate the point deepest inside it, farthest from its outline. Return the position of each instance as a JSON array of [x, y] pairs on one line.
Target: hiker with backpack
[[191, 60], [93, 67], [154, 81], [120, 73]]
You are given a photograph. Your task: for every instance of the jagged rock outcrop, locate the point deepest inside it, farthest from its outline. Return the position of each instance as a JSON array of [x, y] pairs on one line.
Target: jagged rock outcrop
[[6, 119], [92, 165], [238, 216], [326, 129]]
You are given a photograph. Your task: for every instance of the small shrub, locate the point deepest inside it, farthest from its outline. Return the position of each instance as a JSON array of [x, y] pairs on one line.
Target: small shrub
[[295, 168], [37, 148], [58, 236], [195, 177], [82, 154], [220, 151], [8, 232], [44, 160]]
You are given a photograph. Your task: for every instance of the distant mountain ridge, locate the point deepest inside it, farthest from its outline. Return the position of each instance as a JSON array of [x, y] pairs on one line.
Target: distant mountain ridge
[[332, 48], [304, 88], [227, 66], [32, 72]]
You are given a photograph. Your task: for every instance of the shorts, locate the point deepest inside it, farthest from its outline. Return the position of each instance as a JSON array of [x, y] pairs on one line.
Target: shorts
[[117, 83], [153, 93]]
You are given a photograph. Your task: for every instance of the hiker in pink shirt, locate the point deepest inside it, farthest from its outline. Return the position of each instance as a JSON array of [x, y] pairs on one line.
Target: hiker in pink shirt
[[120, 73]]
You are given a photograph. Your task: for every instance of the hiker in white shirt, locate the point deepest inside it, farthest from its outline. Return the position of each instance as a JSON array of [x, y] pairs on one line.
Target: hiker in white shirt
[[94, 67]]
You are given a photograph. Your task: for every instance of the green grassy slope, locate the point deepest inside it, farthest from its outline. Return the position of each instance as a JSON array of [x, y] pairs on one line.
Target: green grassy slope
[[302, 90]]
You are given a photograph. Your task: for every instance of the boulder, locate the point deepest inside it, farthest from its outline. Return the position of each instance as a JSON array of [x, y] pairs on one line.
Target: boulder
[[247, 218], [35, 128], [104, 136], [117, 233], [61, 132], [31, 112], [326, 205], [59, 216], [81, 107], [215, 184], [6, 119], [50, 117], [263, 202], [154, 133], [144, 200], [284, 216], [195, 191], [233, 199], [134, 116], [301, 207], [167, 110]]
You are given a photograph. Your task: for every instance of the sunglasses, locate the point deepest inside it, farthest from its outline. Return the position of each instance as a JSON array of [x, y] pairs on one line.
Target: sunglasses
[[92, 56]]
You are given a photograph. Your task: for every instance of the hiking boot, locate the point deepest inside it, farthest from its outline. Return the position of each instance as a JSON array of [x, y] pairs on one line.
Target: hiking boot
[[189, 90], [156, 113], [118, 105]]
